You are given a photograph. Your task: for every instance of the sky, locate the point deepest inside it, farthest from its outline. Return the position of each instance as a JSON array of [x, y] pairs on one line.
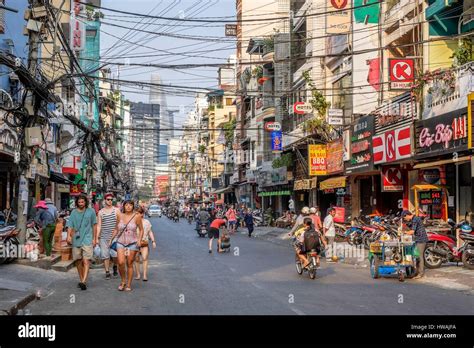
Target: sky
[[114, 45]]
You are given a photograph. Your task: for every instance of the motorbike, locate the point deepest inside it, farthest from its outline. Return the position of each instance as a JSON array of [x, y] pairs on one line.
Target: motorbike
[[441, 248], [9, 244], [202, 230], [190, 218], [311, 269], [257, 218]]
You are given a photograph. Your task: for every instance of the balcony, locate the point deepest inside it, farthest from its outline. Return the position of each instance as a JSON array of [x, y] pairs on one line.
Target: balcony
[[438, 101], [400, 20]]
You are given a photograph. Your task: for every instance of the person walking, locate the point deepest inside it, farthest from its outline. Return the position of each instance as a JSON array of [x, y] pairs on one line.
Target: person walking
[[248, 218], [47, 223], [231, 216], [417, 229], [106, 224], [82, 232], [52, 208], [144, 248], [127, 243], [329, 230]]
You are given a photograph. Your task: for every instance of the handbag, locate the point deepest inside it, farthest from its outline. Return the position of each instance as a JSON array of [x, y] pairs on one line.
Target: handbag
[[113, 246], [143, 243]]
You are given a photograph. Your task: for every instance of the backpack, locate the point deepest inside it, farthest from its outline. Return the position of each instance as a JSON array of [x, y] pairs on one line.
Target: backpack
[[311, 239]]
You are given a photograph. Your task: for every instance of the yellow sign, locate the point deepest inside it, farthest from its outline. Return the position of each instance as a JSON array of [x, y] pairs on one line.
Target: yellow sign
[[317, 159], [470, 115], [333, 183]]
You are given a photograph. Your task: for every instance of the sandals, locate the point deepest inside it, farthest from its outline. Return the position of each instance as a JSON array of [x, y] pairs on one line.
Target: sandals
[[121, 287], [128, 289]]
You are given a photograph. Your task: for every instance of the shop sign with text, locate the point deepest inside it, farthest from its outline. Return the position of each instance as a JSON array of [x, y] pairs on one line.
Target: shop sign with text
[[392, 145], [392, 179], [317, 159], [361, 145], [441, 135], [335, 156]]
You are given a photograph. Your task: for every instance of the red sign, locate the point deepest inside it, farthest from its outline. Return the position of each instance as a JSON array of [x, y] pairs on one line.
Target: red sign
[[161, 185], [402, 73], [392, 145], [302, 108], [392, 179], [75, 190], [340, 215], [272, 126], [339, 4]]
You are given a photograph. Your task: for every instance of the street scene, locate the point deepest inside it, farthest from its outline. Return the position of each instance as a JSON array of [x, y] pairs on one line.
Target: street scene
[[236, 157]]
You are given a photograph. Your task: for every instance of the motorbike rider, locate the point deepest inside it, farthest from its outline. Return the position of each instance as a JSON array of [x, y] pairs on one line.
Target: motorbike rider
[[300, 219], [299, 243], [417, 229], [315, 218], [203, 217]]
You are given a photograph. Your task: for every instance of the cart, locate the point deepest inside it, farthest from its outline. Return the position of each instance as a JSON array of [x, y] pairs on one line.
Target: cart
[[396, 257]]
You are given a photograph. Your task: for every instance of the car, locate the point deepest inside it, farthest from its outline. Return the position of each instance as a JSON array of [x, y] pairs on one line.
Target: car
[[154, 210]]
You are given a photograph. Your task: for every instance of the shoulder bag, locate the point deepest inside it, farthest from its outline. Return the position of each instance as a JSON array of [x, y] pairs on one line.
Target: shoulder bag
[[113, 246]]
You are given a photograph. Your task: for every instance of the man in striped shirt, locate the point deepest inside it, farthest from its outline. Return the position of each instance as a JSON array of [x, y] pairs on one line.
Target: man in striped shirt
[[107, 222]]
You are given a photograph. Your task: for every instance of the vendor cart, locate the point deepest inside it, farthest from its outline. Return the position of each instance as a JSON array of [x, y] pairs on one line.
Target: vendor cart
[[395, 257]]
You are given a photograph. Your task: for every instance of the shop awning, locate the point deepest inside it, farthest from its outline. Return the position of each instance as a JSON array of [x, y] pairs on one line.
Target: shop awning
[[439, 163], [59, 178], [274, 193], [333, 183], [223, 190]]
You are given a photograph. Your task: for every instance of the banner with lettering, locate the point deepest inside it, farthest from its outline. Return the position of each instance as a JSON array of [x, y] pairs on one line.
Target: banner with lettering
[[317, 159], [361, 159], [442, 135]]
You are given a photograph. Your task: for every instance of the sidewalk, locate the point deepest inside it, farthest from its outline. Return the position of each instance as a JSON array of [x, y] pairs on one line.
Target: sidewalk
[[19, 285]]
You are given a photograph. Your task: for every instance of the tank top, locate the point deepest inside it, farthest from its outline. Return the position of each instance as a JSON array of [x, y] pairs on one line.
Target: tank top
[[129, 236], [108, 224]]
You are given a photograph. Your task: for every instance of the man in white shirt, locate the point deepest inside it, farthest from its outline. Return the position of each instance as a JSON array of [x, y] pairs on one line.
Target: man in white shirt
[[329, 229]]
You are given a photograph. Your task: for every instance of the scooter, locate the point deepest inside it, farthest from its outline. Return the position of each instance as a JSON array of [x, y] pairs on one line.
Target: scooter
[[441, 248], [9, 244], [202, 230]]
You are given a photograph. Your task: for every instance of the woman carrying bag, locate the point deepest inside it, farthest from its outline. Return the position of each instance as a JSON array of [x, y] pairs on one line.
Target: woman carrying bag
[[127, 243], [144, 249]]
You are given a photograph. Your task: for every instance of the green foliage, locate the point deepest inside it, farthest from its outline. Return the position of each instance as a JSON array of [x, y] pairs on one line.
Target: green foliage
[[257, 72], [229, 128], [269, 43], [202, 148], [463, 54], [318, 101], [285, 160]]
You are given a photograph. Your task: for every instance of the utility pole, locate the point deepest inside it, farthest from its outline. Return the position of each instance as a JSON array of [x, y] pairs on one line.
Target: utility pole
[[33, 43]]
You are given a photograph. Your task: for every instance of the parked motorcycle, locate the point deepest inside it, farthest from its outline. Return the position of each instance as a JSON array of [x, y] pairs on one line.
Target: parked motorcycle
[[8, 244], [202, 230], [441, 248]]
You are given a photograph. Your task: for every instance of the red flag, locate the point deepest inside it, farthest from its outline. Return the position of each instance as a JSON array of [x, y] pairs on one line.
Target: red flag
[[374, 73]]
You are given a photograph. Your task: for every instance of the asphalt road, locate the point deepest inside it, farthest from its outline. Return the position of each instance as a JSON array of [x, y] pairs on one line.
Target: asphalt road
[[257, 277]]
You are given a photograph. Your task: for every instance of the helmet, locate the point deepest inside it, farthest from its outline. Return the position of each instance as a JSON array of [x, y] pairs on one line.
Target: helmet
[[305, 211], [312, 210], [219, 216], [466, 228], [377, 219]]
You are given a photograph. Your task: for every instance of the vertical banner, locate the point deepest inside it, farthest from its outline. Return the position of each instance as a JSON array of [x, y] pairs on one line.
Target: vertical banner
[[277, 141], [317, 159], [338, 17], [335, 154], [346, 141], [78, 28]]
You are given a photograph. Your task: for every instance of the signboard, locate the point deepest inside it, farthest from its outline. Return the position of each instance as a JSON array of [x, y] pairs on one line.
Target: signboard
[[346, 141], [392, 179], [442, 135], [340, 215], [161, 185], [430, 176], [300, 185], [361, 146], [392, 145], [396, 112], [78, 28], [76, 190], [272, 126], [402, 73], [231, 30], [338, 17], [302, 108], [317, 159], [336, 113], [63, 188], [335, 121], [277, 141], [335, 155]]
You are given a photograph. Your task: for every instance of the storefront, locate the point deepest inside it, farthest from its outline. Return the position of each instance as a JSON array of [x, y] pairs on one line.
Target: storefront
[[302, 192], [444, 161], [271, 179], [335, 190]]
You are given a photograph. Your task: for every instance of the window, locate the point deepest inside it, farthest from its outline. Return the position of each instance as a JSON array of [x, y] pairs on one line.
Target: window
[[253, 150]]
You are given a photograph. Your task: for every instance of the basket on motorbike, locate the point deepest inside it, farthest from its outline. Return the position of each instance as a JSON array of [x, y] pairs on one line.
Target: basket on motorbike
[[394, 257]]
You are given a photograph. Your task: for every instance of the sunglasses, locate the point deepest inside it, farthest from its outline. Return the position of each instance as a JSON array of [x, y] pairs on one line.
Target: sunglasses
[[109, 199]]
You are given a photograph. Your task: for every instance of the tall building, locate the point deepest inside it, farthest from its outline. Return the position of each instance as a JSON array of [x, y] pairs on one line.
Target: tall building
[[145, 141]]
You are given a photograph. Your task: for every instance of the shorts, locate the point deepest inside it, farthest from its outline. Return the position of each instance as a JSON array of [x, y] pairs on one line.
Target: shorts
[[83, 252], [105, 251], [213, 232], [299, 247], [233, 222], [132, 247]]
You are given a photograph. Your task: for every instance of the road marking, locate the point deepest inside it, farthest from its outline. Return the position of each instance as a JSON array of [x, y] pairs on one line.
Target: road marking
[[257, 286], [297, 311], [232, 269]]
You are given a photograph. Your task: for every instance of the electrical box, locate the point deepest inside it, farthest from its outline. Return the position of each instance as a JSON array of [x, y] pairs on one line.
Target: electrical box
[[33, 136]]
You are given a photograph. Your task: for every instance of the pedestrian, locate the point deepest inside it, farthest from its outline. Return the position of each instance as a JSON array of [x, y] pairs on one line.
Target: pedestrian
[[106, 224], [417, 229], [329, 229], [315, 218], [331, 206], [248, 218], [214, 232], [144, 248], [82, 232], [127, 243], [231, 216], [47, 223], [51, 208]]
